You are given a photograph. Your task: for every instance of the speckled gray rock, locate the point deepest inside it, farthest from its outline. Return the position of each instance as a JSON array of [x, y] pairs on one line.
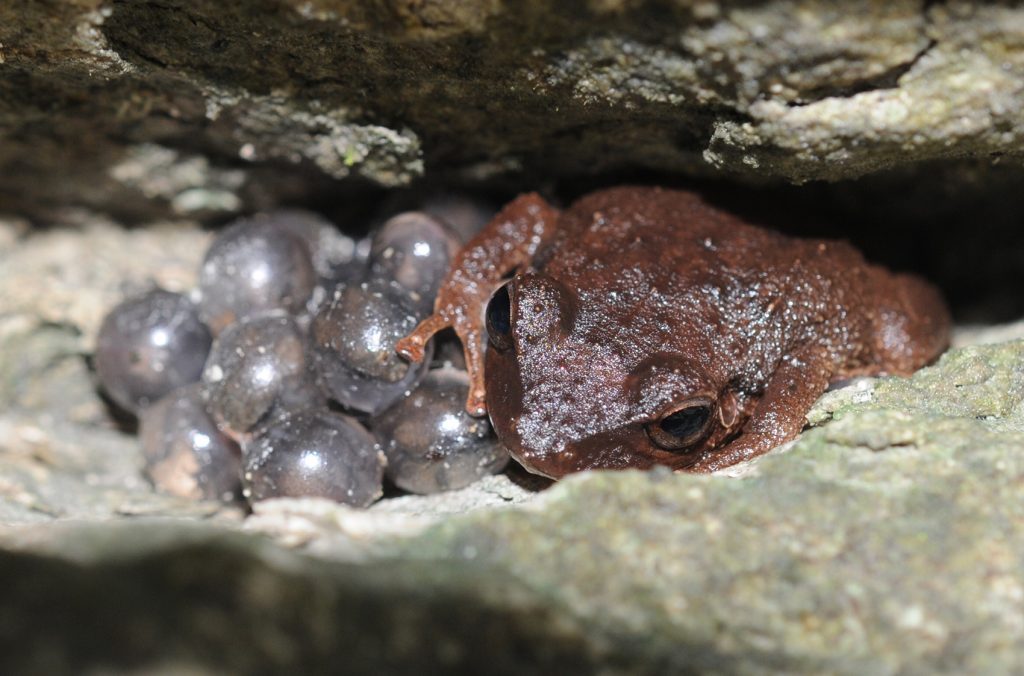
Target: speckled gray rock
[[201, 109], [958, 95]]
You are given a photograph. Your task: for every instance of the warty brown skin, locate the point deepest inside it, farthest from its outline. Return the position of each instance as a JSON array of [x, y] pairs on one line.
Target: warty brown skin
[[637, 302]]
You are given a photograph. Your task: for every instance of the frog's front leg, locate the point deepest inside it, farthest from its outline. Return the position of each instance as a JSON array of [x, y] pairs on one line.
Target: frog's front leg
[[781, 413], [508, 242]]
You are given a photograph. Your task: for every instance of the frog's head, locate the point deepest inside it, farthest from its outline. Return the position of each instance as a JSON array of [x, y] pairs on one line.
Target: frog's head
[[582, 383]]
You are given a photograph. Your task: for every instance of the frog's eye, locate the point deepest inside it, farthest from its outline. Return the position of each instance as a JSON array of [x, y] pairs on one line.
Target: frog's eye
[[683, 427], [499, 319]]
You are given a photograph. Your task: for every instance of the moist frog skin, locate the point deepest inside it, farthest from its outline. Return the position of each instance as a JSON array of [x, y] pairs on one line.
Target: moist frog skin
[[644, 326]]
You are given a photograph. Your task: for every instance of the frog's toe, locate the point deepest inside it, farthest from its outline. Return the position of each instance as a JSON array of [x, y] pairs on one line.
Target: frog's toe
[[476, 403], [412, 346]]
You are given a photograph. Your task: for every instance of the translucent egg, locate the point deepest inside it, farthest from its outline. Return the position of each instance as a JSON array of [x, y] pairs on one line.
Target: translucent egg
[[149, 345], [254, 267], [464, 214], [314, 453], [353, 341], [330, 249], [185, 453], [257, 370], [414, 250], [431, 443]]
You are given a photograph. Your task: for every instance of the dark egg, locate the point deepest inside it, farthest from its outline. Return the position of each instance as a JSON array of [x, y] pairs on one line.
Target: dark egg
[[256, 370], [253, 267], [464, 214], [330, 249], [353, 344], [414, 249], [314, 453], [431, 443], [265, 381], [185, 453], [147, 346]]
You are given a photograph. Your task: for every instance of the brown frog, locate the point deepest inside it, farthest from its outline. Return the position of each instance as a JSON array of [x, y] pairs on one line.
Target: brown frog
[[643, 326]]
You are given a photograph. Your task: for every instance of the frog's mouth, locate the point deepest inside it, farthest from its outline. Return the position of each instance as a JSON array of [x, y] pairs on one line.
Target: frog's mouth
[[552, 463], [534, 443], [531, 467], [551, 454], [604, 452], [545, 453]]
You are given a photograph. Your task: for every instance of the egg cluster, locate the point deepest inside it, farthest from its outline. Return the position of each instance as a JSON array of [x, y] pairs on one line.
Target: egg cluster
[[278, 376]]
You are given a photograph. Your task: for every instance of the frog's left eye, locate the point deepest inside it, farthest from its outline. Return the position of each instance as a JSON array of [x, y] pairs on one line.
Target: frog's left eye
[[499, 319], [683, 427]]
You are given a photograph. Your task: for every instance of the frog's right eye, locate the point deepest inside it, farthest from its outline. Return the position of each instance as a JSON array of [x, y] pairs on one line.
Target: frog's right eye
[[499, 319], [681, 429]]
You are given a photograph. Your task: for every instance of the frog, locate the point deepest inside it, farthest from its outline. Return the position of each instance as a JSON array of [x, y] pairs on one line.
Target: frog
[[646, 326]]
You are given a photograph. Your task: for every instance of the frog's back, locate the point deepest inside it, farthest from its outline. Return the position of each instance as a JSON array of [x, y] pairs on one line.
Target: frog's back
[[670, 248], [656, 228], [674, 240]]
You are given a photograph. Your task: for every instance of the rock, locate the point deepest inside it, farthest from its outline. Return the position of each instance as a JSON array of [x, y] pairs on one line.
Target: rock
[[889, 539], [195, 109], [958, 94], [71, 276], [216, 603]]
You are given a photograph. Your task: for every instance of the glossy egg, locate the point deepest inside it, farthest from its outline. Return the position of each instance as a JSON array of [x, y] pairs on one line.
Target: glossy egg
[[330, 249], [314, 453], [464, 214], [353, 346], [431, 443], [256, 370], [149, 345], [186, 455], [413, 249], [254, 267]]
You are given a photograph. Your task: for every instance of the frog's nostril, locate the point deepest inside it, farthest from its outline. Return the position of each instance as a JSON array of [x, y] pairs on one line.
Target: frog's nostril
[[545, 309]]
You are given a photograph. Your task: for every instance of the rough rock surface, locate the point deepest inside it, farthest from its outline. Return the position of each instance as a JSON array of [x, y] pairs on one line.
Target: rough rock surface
[[194, 107]]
